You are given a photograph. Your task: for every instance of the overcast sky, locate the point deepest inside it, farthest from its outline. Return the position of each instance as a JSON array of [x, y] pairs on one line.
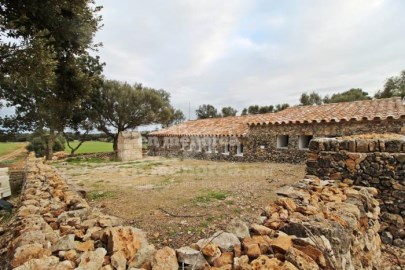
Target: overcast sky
[[243, 52]]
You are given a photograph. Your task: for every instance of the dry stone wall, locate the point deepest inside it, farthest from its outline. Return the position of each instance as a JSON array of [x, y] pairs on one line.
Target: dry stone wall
[[372, 163], [262, 139], [158, 148], [311, 225]]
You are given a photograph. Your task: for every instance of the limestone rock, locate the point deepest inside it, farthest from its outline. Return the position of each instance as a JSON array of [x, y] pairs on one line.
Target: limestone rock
[[300, 260], [287, 203], [262, 230], [238, 228], [165, 259], [225, 241], [191, 256], [242, 263], [65, 243], [226, 258], [92, 260], [66, 265], [118, 260], [127, 239], [282, 243], [225, 267], [265, 263], [85, 246], [28, 252], [71, 255], [211, 250], [288, 266], [144, 256], [251, 247], [39, 264]]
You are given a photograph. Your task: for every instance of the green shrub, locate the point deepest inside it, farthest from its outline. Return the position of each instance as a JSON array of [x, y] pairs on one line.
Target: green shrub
[[39, 145]]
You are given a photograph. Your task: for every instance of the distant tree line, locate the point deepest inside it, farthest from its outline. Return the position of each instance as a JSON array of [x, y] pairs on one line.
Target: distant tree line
[[209, 111], [393, 87]]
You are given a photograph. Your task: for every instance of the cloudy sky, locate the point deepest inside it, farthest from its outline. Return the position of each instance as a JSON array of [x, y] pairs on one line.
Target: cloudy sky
[[242, 52]]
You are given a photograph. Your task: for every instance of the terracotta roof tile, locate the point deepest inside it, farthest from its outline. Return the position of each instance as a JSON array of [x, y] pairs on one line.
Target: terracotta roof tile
[[226, 126], [336, 112]]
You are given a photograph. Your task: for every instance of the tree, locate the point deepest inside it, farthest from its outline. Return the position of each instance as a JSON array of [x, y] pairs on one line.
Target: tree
[[280, 107], [393, 87], [81, 124], [46, 69], [256, 109], [120, 106], [253, 109], [310, 99], [206, 111], [266, 109], [353, 94], [228, 111], [176, 118]]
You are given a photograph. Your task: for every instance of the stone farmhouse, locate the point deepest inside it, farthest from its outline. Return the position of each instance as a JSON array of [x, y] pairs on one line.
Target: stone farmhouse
[[281, 137]]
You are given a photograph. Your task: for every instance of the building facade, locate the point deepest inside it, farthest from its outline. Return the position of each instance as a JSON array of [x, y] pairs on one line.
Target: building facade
[[278, 137]]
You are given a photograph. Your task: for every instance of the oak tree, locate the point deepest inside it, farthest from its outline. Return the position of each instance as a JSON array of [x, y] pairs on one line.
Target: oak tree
[[45, 66], [119, 106]]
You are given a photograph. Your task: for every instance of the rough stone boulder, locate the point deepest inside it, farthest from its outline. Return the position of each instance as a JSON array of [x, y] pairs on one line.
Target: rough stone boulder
[[165, 259], [131, 242]]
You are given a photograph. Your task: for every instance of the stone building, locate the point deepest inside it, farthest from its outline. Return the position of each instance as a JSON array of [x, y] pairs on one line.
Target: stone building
[[281, 137]]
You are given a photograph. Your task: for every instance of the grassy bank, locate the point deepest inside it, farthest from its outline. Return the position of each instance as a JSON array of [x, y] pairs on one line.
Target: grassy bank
[[6, 148], [91, 147]]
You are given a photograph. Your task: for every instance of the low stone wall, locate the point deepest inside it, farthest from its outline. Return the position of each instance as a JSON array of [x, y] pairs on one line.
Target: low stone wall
[[311, 225], [373, 163], [202, 155]]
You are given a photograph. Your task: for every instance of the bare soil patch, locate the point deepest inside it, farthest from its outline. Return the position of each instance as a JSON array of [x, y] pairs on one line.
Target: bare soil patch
[[178, 201]]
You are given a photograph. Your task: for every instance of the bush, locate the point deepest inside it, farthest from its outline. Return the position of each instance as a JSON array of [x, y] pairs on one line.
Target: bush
[[39, 145]]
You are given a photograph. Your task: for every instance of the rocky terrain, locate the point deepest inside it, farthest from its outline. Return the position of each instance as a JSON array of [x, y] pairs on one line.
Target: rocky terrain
[[311, 225]]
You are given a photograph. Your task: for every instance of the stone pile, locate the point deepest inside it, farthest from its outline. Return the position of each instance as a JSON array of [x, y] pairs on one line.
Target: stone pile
[[311, 225], [56, 229], [378, 163]]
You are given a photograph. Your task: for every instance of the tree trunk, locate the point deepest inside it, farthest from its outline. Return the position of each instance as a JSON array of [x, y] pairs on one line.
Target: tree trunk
[[51, 142], [115, 145]]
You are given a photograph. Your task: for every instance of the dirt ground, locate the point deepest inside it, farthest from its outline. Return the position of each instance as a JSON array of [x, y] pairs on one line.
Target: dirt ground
[[179, 201]]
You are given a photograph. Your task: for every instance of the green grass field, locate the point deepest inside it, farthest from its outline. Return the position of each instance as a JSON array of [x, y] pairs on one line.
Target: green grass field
[[91, 147], [6, 148]]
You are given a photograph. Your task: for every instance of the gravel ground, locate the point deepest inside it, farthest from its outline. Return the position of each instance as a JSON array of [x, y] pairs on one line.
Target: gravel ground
[[178, 201]]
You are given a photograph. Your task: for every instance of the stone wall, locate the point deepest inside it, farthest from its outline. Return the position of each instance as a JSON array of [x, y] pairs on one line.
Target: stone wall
[[311, 225], [160, 147], [129, 146], [260, 144], [262, 139], [373, 163]]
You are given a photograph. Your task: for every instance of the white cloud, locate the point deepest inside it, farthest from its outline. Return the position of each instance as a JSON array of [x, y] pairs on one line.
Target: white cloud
[[244, 52]]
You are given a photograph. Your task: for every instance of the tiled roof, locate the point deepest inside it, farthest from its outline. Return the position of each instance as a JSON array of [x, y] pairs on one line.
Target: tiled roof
[[226, 126], [377, 109], [337, 112]]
